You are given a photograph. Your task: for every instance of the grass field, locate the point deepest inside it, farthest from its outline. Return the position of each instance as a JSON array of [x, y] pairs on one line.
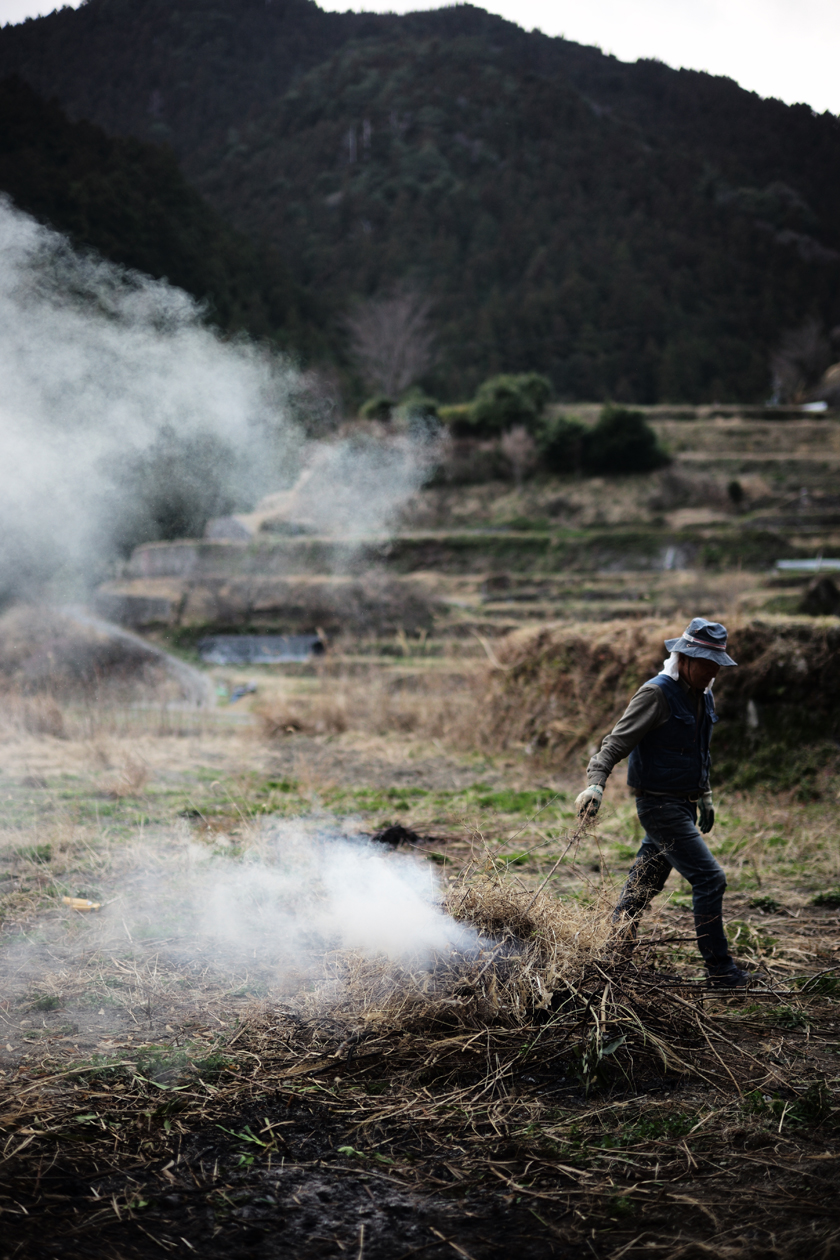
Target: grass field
[[163, 1092]]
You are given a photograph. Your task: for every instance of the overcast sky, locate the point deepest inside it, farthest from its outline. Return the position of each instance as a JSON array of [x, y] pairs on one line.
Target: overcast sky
[[784, 48]]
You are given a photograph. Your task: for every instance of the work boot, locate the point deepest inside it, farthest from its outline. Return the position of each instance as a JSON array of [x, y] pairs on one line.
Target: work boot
[[727, 975]]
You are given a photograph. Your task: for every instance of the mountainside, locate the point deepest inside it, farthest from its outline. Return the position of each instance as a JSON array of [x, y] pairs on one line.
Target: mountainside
[[129, 201], [633, 231], [552, 236]]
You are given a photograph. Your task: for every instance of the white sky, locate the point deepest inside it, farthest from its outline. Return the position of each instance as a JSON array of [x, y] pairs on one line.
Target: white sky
[[784, 48]]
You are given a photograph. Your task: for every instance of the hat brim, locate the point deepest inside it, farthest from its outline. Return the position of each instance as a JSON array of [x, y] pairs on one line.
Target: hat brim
[[718, 655]]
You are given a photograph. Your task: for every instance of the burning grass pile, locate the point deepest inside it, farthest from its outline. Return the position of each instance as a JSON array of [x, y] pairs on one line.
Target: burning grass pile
[[67, 676], [601, 1101], [523, 950], [46, 654], [560, 688]]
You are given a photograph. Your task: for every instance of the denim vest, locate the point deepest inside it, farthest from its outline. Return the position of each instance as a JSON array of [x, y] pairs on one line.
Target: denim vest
[[675, 757]]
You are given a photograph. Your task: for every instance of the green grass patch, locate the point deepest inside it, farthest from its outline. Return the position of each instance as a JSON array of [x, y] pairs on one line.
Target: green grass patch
[[788, 1017], [508, 801], [45, 1002], [787, 754], [811, 1108], [767, 905], [829, 898], [825, 986], [35, 852], [669, 1124]]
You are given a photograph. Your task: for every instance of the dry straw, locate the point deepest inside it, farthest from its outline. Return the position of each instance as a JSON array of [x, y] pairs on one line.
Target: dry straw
[[477, 1074], [562, 687]]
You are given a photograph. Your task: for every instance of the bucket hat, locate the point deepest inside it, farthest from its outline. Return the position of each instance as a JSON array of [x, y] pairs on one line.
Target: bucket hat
[[702, 638]]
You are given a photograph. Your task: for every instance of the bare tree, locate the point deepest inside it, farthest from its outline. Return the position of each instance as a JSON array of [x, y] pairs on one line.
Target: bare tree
[[802, 357], [392, 341], [520, 450]]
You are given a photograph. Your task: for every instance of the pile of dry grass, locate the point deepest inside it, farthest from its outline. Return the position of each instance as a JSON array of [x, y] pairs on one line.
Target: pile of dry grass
[[562, 687], [527, 949], [45, 653]]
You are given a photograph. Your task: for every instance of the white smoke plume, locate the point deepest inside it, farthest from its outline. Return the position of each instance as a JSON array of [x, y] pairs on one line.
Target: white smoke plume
[[304, 890], [182, 925], [122, 413]]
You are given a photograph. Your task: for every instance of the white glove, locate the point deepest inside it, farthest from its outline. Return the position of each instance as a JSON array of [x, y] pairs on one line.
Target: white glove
[[589, 801]]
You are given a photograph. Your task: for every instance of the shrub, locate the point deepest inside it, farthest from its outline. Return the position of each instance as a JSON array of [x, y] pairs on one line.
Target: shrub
[[173, 487], [622, 442], [560, 444], [458, 419], [535, 387], [504, 402], [377, 408], [415, 403]]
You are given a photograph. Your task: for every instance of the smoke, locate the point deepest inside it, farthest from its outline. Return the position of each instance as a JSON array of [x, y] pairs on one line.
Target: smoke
[[327, 498], [298, 911], [301, 891], [123, 417], [305, 890]]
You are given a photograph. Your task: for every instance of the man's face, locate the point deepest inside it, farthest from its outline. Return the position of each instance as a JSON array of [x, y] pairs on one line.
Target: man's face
[[697, 671]]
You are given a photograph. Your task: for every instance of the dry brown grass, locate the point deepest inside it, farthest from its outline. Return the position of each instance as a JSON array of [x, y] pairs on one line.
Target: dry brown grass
[[561, 687], [432, 704], [131, 779], [32, 715], [537, 1070], [557, 686], [46, 653]]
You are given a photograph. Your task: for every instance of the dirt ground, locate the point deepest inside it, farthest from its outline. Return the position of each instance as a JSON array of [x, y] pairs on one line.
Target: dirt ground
[[161, 1094]]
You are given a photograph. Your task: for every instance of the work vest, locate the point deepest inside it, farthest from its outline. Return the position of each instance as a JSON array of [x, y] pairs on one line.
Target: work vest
[[675, 757]]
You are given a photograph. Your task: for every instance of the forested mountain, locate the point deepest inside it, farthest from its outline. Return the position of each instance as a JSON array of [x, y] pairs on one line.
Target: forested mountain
[[633, 231], [129, 201]]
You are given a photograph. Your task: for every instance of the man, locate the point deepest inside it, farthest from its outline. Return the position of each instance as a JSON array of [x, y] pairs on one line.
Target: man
[[666, 730]]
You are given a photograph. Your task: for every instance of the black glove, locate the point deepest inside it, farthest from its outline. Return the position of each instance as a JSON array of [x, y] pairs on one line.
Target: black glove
[[706, 812]]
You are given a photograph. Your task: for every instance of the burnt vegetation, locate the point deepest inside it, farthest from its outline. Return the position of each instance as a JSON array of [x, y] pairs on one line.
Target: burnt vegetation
[[542, 1095]]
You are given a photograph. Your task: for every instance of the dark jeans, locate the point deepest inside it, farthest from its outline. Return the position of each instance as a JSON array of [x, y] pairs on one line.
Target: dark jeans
[[673, 841]]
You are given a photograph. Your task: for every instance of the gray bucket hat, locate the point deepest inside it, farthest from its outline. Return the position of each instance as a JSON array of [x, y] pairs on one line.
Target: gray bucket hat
[[702, 638]]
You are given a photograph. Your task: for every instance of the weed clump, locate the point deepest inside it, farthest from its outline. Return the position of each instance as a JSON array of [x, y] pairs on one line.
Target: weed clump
[[830, 898]]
